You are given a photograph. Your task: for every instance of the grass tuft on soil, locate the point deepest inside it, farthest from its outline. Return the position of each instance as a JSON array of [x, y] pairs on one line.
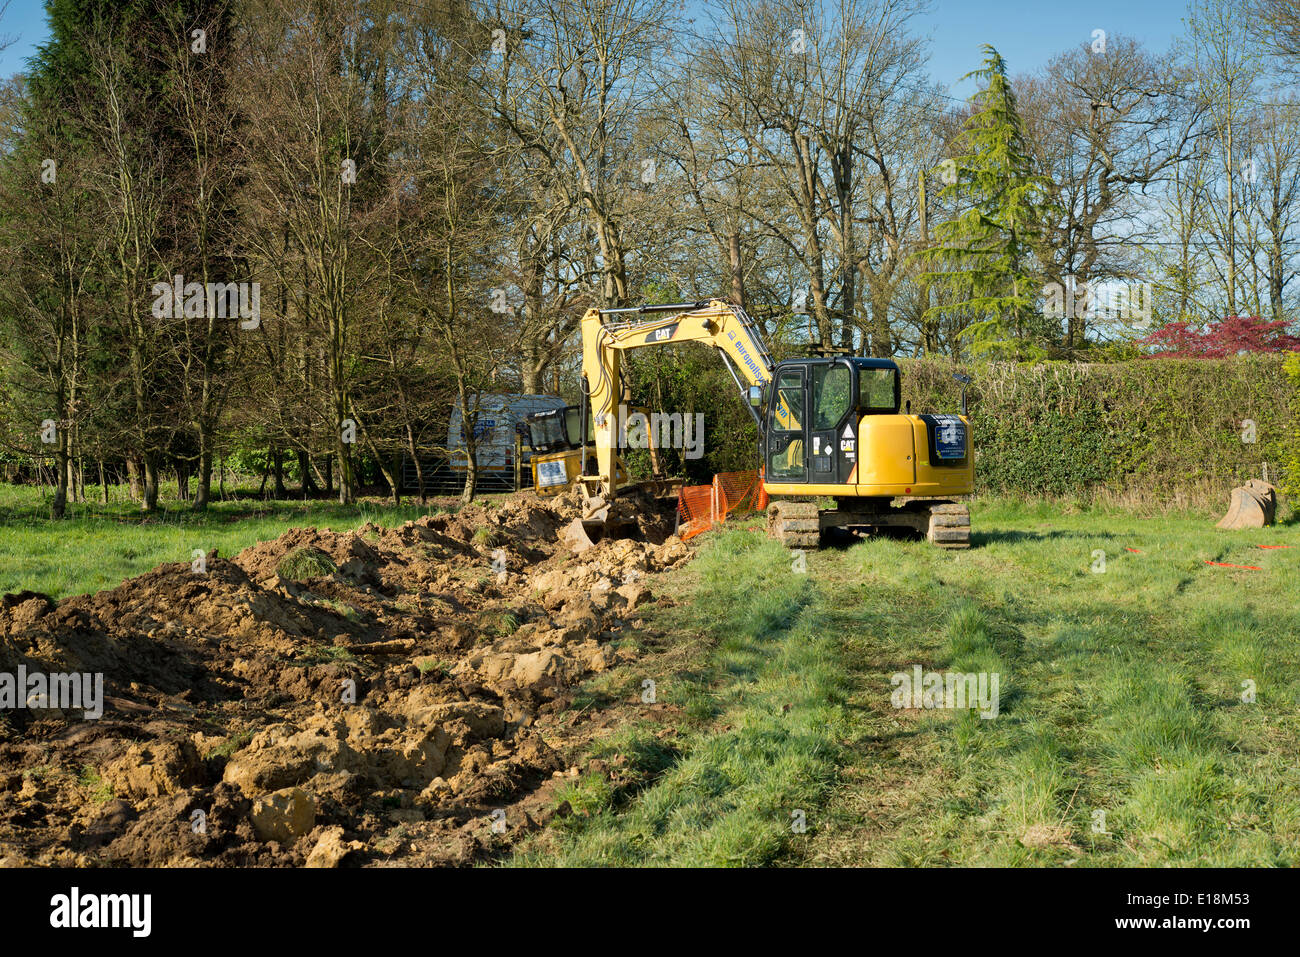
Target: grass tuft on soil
[[304, 563]]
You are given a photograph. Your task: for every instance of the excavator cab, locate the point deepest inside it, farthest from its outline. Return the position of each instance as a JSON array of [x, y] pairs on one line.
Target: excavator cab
[[813, 410], [555, 438], [554, 435], [833, 428]]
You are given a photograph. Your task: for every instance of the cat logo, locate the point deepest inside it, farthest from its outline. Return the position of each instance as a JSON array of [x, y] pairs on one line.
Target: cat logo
[[846, 442], [661, 335]]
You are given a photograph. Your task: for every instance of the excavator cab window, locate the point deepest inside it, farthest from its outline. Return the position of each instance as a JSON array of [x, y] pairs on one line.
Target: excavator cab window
[[878, 390], [786, 419], [547, 431], [832, 394], [557, 430], [573, 427]]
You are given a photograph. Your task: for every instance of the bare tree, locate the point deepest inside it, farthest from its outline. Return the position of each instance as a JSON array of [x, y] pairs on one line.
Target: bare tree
[[50, 253], [130, 183], [1227, 67], [1276, 175], [192, 54], [306, 144], [808, 84], [568, 80], [1106, 126]]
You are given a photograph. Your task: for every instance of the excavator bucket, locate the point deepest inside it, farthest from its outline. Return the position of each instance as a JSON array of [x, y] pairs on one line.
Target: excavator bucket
[[1254, 505], [633, 513], [579, 536], [582, 533]]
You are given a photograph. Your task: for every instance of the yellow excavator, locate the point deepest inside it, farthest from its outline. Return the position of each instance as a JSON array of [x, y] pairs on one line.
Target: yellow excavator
[[828, 426]]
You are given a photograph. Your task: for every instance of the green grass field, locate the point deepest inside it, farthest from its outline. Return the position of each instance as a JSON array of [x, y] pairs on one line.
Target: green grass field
[[1149, 703], [98, 545], [1126, 734]]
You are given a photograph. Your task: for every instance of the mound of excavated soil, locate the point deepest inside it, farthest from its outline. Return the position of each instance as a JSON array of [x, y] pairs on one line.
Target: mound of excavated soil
[[392, 711]]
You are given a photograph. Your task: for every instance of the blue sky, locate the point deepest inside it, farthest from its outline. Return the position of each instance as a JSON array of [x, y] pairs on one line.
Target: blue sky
[[1027, 34], [24, 23]]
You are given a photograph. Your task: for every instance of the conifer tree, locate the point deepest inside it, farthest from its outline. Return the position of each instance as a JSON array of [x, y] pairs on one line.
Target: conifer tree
[[985, 257]]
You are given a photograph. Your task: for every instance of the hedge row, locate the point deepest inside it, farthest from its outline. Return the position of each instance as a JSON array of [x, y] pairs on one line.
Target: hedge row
[[1161, 428]]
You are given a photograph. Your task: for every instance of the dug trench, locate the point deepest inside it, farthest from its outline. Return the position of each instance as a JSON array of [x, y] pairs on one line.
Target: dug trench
[[378, 697]]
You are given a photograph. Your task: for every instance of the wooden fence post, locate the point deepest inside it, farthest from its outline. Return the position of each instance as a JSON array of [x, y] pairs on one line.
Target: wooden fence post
[[519, 445]]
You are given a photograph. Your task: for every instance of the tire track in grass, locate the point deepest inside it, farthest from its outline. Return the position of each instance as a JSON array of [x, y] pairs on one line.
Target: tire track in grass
[[1147, 757], [1147, 753], [1155, 734], [1159, 742], [1246, 667], [1016, 773], [1010, 790], [930, 787], [1204, 776], [1126, 703]]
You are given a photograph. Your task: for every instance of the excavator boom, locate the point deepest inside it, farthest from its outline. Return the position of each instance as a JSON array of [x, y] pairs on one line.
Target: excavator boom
[[715, 322]]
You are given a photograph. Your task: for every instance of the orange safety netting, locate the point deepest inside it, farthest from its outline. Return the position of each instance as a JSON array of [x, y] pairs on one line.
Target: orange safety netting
[[700, 507]]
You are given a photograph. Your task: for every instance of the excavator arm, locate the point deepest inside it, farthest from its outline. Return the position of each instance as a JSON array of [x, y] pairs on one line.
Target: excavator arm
[[719, 323]]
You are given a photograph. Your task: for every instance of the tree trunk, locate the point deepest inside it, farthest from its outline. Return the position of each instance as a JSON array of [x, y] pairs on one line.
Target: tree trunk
[[277, 470], [1277, 276], [343, 449], [309, 486], [471, 480], [881, 346], [419, 466], [737, 268], [531, 369], [842, 167], [390, 475], [149, 503], [62, 467], [68, 477], [346, 478], [133, 476], [203, 489]]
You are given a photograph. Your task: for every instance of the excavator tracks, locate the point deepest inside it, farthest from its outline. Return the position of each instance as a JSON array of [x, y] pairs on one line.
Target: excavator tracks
[[794, 524], [949, 525], [800, 524]]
